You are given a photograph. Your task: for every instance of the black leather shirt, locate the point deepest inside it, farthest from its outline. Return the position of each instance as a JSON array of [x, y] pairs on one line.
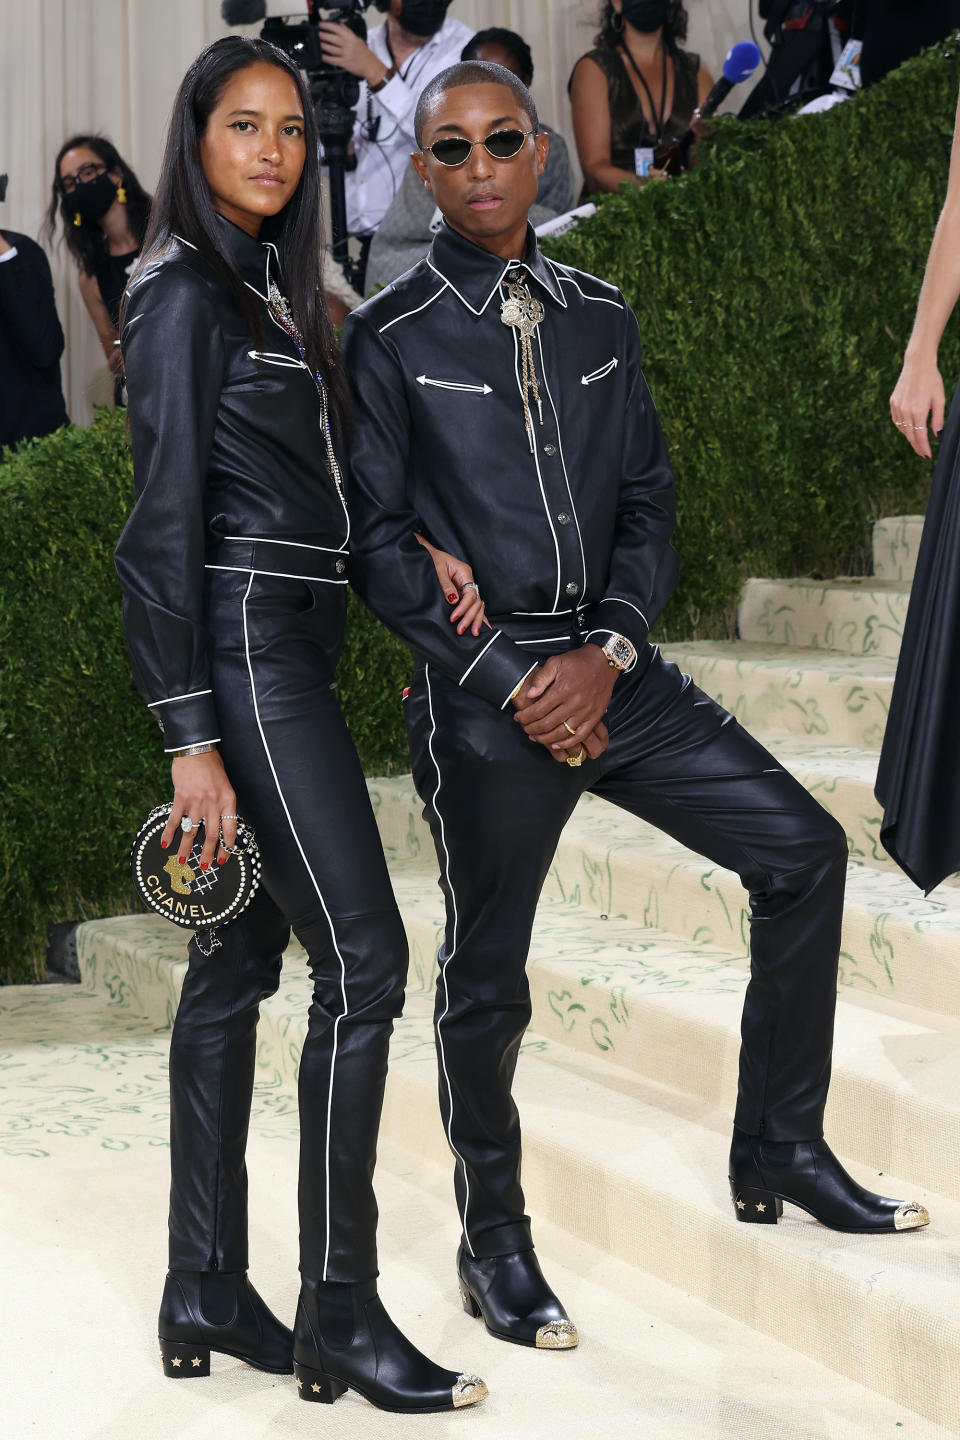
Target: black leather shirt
[[574, 534], [227, 442]]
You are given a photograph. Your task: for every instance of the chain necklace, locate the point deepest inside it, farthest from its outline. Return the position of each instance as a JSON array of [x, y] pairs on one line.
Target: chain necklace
[[279, 307], [523, 312]]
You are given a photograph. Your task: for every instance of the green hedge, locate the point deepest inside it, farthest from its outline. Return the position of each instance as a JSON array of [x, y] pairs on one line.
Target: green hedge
[[775, 288], [81, 758]]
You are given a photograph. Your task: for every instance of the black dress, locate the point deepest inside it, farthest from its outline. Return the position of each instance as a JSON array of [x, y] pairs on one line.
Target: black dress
[[918, 780]]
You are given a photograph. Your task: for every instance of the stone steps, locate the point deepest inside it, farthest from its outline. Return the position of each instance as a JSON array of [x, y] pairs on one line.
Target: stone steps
[[849, 616], [637, 1169], [84, 1113], [896, 541]]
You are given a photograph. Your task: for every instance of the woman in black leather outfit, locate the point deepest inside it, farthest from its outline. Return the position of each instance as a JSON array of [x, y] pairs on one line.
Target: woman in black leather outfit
[[233, 566]]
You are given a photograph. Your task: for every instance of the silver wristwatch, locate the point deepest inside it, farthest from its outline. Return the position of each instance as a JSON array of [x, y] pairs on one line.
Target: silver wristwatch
[[620, 652]]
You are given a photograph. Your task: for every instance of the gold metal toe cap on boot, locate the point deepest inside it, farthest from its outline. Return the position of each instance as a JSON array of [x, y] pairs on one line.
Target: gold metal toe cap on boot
[[468, 1390], [558, 1335], [910, 1216]]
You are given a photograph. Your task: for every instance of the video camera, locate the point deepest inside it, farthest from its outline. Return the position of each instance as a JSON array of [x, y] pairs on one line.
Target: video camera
[[334, 92]]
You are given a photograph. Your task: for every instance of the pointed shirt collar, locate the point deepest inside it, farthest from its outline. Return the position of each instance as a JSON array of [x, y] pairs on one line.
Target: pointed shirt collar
[[256, 260], [474, 274]]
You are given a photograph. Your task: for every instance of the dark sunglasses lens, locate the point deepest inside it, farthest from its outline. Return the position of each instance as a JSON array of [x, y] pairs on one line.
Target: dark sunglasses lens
[[505, 143], [450, 152]]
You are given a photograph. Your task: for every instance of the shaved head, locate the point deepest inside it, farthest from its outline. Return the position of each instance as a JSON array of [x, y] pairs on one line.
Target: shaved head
[[471, 72]]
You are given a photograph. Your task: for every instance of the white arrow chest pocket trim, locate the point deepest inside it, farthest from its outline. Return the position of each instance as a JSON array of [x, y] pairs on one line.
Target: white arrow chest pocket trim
[[273, 357], [600, 374], [462, 386]]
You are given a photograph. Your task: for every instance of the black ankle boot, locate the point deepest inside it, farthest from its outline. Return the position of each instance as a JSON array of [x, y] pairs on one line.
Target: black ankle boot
[[515, 1301], [204, 1310], [764, 1173], [343, 1339]]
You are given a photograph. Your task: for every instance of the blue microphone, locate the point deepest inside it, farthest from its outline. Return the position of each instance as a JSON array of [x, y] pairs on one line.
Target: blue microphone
[[742, 59]]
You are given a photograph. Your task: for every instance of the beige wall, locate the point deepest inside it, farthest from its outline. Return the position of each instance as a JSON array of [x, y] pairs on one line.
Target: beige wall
[[114, 65]]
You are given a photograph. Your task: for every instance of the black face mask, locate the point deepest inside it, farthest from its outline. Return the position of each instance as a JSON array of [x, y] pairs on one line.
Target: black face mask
[[647, 15], [423, 17], [92, 198]]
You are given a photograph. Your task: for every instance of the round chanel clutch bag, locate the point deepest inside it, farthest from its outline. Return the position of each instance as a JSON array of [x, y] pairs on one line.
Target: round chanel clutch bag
[[197, 899]]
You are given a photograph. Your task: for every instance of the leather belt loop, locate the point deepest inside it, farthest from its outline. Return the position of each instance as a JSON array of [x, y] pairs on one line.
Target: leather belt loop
[[279, 557]]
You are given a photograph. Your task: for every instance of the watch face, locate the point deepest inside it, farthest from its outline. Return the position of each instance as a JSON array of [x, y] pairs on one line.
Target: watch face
[[619, 651]]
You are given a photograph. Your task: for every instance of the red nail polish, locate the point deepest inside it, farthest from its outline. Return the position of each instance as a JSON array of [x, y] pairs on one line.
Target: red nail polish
[[221, 859], [182, 859], [452, 598], [204, 865], [164, 844]]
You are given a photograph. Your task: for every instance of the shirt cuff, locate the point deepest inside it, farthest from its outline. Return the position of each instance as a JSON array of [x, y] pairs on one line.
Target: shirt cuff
[[497, 670], [187, 720], [10, 254], [621, 617]]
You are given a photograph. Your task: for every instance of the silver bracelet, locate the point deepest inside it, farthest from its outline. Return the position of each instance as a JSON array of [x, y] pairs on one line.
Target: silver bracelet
[[193, 750]]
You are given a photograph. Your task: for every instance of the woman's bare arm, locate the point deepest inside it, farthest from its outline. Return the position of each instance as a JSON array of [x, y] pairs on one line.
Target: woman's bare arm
[[591, 127], [100, 315], [919, 397]]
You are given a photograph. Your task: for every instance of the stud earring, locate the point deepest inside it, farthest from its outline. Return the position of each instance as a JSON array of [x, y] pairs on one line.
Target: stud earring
[[77, 220], [121, 194]]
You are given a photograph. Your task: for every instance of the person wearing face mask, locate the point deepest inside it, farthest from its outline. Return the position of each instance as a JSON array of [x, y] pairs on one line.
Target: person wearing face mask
[[105, 211], [634, 92], [416, 41]]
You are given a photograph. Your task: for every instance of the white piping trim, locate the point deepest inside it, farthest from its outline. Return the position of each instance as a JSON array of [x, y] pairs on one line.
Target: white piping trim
[[298, 544], [479, 657], [536, 461], [333, 933], [620, 600], [463, 298], [152, 704], [533, 667], [554, 614], [277, 574], [544, 640], [407, 313], [449, 957], [215, 740], [563, 463], [600, 299]]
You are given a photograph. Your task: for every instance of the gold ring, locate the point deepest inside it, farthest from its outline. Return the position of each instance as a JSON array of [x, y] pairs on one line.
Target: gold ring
[[575, 760], [570, 729]]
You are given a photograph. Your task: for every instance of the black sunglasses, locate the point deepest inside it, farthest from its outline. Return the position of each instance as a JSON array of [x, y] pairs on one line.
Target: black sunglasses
[[502, 145]]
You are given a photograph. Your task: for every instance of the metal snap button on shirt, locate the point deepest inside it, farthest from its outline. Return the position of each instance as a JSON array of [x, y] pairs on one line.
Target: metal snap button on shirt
[[549, 449], [563, 518], [340, 567], [572, 588]]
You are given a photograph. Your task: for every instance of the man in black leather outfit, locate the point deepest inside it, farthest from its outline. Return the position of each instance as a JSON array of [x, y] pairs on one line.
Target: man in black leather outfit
[[501, 411]]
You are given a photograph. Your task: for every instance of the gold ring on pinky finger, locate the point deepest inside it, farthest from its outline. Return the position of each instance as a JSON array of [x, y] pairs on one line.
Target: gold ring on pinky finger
[[575, 760]]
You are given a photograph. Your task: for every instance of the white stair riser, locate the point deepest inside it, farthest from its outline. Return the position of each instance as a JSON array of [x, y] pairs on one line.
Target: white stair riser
[[843, 710], [896, 542], [851, 620]]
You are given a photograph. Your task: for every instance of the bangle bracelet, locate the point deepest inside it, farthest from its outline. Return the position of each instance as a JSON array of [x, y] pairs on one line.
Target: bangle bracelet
[[193, 750]]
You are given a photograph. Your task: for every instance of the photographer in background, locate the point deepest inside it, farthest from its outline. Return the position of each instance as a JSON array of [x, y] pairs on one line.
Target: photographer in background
[[31, 341], [398, 58], [104, 210]]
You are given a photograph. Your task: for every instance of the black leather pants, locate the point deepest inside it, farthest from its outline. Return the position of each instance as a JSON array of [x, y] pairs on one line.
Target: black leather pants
[[496, 805], [299, 784]]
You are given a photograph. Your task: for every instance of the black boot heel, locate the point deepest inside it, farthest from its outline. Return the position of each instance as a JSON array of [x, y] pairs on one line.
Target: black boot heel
[[469, 1304], [758, 1207], [313, 1385], [179, 1359]]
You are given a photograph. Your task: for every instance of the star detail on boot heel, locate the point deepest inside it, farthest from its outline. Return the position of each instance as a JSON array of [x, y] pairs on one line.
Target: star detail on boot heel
[[176, 1362], [196, 1361], [315, 1388], [741, 1204], [299, 1383], [761, 1207]]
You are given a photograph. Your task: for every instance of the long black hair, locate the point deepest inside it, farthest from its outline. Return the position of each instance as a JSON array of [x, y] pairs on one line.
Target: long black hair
[[674, 27], [87, 242], [183, 208]]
